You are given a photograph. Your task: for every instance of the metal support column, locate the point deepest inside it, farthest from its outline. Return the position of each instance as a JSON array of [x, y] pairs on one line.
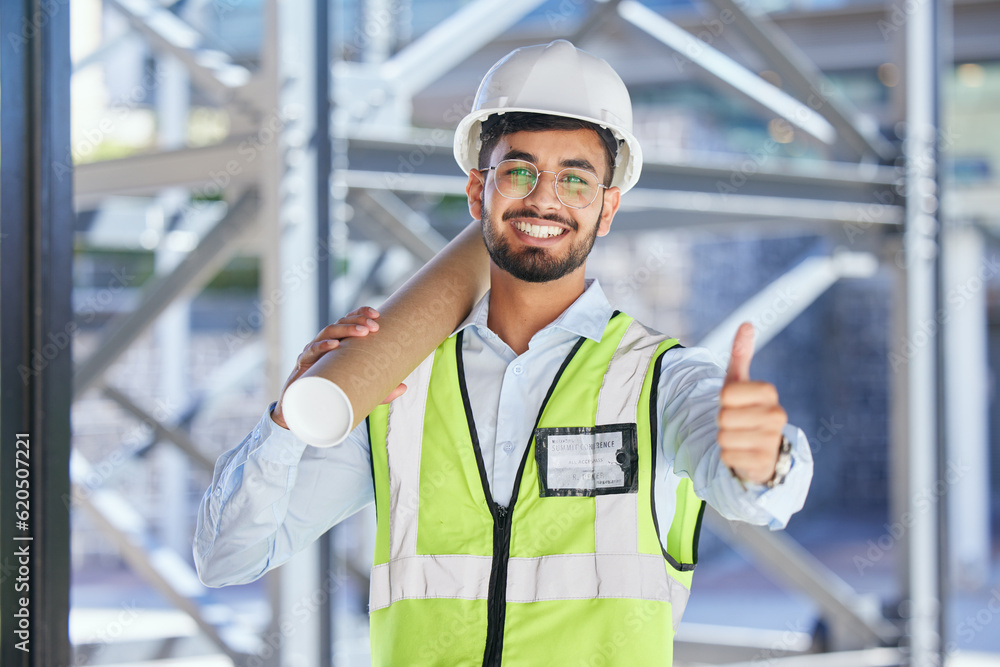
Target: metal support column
[[173, 327], [290, 272], [36, 258], [922, 253], [966, 382], [324, 169]]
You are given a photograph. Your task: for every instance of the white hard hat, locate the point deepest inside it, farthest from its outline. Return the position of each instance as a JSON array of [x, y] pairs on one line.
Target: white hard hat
[[560, 80]]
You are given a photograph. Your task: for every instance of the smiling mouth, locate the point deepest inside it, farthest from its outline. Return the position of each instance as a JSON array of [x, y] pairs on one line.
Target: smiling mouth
[[539, 231]]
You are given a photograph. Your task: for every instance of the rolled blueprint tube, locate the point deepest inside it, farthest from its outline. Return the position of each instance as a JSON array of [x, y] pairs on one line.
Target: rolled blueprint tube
[[346, 384]]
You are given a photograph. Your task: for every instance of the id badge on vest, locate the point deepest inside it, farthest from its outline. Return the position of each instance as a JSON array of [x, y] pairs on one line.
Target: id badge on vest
[[587, 460]]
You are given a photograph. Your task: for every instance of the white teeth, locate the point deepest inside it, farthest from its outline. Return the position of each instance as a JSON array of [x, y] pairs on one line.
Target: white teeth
[[539, 231]]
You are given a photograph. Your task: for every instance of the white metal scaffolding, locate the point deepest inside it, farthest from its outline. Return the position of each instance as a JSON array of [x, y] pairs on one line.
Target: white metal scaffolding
[[291, 202]]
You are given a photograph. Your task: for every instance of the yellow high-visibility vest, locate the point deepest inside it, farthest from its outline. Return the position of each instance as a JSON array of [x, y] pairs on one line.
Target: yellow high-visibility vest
[[573, 572]]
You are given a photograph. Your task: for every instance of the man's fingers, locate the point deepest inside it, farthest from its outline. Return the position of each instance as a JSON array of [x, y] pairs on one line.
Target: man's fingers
[[753, 417], [742, 354], [395, 393], [757, 440], [748, 393], [363, 311], [347, 328], [314, 351]]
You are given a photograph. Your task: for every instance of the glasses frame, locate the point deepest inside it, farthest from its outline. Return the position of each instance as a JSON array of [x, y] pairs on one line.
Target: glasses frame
[[555, 181]]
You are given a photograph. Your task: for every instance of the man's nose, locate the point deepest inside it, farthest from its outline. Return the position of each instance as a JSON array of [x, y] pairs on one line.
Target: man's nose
[[544, 195]]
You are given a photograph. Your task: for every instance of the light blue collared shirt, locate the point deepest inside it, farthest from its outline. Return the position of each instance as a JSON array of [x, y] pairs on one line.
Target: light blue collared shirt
[[273, 495]]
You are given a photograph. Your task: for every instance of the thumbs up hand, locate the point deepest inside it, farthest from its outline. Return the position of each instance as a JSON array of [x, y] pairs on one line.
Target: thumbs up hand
[[750, 417]]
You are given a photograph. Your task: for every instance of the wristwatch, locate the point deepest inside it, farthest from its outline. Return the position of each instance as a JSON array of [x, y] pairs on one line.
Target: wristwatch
[[783, 465]]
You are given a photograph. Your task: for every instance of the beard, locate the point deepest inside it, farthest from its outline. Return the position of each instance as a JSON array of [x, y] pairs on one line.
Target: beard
[[535, 264]]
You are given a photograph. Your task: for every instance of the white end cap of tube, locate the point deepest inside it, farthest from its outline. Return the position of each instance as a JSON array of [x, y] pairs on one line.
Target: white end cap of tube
[[317, 411]]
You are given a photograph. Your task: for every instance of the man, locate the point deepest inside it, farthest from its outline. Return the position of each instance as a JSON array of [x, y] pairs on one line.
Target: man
[[540, 479]]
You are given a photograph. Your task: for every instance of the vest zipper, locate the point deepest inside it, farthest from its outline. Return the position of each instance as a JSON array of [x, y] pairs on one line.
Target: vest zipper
[[497, 603]]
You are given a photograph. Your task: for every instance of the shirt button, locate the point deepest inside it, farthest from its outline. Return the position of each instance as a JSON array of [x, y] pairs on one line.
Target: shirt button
[[518, 369], [508, 447]]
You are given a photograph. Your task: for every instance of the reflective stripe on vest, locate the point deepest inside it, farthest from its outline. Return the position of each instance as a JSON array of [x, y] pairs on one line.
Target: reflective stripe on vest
[[436, 542]]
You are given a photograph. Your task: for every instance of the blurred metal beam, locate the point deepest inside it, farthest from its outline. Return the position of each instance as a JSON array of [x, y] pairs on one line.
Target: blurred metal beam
[[701, 644], [697, 203], [403, 163], [406, 226], [166, 570], [873, 657], [202, 169], [789, 563], [922, 252], [213, 252], [853, 617], [599, 13], [451, 41], [807, 80], [967, 391], [727, 71], [213, 71], [161, 430], [777, 305], [295, 201], [365, 290], [36, 263], [756, 206]]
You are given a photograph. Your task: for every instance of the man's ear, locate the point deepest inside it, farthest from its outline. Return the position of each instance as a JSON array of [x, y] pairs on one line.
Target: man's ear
[[474, 191], [612, 200]]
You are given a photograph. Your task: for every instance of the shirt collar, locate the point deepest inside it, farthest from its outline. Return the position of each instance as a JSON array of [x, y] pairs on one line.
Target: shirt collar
[[587, 316]]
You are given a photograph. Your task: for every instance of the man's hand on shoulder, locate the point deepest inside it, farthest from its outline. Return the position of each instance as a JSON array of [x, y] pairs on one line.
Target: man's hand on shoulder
[[361, 322], [751, 419]]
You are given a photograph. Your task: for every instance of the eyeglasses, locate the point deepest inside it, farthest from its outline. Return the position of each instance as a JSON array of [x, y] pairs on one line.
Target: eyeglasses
[[575, 188]]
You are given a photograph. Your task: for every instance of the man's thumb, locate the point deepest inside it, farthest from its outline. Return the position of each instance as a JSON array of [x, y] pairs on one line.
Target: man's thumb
[[739, 361]]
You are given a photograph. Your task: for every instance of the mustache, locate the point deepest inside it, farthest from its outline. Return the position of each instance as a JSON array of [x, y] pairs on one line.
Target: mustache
[[552, 217]]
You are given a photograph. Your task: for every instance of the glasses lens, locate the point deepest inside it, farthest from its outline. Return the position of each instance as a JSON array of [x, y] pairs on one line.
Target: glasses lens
[[576, 187], [516, 178]]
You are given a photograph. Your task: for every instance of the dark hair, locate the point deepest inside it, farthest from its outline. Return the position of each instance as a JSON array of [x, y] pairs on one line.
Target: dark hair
[[499, 125]]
